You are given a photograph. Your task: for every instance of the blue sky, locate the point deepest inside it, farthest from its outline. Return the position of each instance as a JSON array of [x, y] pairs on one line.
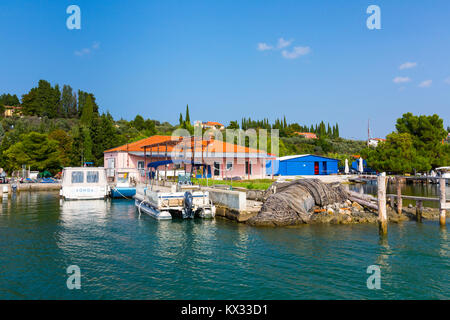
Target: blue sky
[[154, 57]]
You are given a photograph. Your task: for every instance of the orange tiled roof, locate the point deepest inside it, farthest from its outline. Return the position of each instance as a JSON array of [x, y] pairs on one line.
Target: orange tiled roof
[[209, 146], [138, 145], [212, 123], [308, 135]]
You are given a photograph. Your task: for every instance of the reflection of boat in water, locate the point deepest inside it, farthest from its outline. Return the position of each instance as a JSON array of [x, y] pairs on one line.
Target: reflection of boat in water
[[125, 183], [84, 183], [163, 204]]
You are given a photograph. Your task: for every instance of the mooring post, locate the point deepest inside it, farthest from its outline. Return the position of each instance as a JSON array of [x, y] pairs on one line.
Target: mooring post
[[443, 202], [399, 197], [382, 214], [419, 210]]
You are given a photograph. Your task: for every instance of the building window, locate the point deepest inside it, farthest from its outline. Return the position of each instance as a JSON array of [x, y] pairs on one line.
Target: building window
[[216, 168], [248, 168], [111, 166], [229, 166], [141, 167]]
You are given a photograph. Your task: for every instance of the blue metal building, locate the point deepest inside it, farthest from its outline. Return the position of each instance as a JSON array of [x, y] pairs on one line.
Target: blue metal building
[[307, 164]]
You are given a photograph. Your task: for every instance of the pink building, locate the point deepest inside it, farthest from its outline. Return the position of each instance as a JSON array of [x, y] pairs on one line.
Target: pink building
[[220, 159]]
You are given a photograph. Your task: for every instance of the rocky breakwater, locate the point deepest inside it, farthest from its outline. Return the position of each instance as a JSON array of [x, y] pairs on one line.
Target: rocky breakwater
[[308, 201]]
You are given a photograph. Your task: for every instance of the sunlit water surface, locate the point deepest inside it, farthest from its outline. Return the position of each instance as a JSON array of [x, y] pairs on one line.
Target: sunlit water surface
[[122, 256]]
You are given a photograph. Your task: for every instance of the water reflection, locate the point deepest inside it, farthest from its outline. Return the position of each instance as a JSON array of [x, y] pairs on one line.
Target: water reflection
[[124, 257]]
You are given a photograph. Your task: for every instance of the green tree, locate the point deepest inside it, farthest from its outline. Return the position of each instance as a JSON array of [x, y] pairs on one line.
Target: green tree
[[87, 145], [68, 102], [396, 155], [64, 145], [233, 125], [82, 99], [37, 151], [181, 119], [2, 133], [7, 99], [139, 122], [88, 112], [427, 134], [42, 100], [188, 118]]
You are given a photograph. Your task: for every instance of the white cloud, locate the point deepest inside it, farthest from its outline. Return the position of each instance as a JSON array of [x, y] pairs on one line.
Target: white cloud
[[86, 51], [264, 46], [408, 65], [96, 45], [401, 79], [296, 52], [426, 84], [283, 43]]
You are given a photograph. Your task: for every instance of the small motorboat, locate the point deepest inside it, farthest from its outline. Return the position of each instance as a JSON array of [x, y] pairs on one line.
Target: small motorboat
[[84, 183], [163, 205], [125, 183], [444, 173]]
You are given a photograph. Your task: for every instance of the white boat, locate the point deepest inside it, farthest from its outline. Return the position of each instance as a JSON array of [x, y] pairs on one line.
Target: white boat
[[162, 205], [124, 185], [84, 183], [444, 171]]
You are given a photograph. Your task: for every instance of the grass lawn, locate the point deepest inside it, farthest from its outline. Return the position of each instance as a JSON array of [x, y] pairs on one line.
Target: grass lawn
[[257, 184]]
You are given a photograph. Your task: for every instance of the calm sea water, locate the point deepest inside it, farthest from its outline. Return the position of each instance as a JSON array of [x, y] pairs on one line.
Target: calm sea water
[[124, 257]]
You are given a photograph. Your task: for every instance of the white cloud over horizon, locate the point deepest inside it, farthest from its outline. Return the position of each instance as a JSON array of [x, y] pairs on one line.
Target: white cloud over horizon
[[86, 51], [262, 46], [401, 79], [282, 43], [408, 65], [296, 52], [426, 84]]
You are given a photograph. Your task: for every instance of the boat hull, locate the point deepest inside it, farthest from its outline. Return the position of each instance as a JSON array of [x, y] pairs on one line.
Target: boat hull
[[84, 193], [143, 206], [120, 192]]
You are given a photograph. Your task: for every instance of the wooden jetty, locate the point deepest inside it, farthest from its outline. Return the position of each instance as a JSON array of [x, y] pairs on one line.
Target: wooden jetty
[[379, 203]]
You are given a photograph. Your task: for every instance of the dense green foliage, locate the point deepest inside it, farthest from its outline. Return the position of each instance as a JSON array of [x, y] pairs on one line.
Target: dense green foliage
[[61, 128], [36, 150], [417, 145]]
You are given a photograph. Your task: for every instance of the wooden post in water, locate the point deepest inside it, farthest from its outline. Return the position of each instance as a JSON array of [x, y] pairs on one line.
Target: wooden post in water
[[382, 213], [419, 210], [443, 202], [399, 197]]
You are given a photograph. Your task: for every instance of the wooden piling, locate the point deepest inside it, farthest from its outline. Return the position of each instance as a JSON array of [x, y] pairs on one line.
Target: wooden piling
[[419, 210], [443, 202], [399, 197], [382, 213]]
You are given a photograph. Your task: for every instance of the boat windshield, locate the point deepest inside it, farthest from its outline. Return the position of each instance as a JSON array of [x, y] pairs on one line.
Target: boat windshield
[[122, 177], [92, 177], [77, 177]]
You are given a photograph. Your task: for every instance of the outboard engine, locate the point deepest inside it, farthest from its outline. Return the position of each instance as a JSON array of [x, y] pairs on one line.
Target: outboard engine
[[188, 205]]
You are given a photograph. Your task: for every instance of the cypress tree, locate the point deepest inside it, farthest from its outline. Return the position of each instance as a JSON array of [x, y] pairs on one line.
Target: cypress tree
[[88, 112], [188, 118]]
